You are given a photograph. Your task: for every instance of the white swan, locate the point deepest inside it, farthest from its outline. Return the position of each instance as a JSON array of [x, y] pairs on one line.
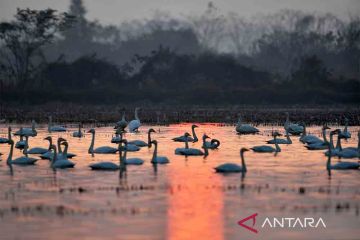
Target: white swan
[[293, 128], [307, 138], [334, 151], [132, 148], [141, 143], [108, 166], [62, 162], [122, 124], [178, 151], [31, 132], [191, 151], [35, 150], [232, 167], [24, 160], [6, 140], [245, 128], [349, 152], [21, 143], [188, 138], [135, 124], [158, 159], [99, 150], [213, 144], [61, 154], [78, 133], [130, 161], [52, 128], [340, 165], [116, 139], [49, 153], [266, 148], [119, 137], [104, 166], [321, 145], [345, 133], [280, 140], [358, 146]]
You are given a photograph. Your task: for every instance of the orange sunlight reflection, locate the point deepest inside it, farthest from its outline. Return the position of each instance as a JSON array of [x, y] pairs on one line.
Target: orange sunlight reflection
[[195, 208]]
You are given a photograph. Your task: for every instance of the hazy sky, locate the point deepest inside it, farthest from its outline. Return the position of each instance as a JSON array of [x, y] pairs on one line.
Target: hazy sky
[[115, 11]]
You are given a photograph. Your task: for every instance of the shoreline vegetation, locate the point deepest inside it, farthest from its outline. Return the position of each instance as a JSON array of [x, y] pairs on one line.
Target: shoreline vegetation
[[170, 114], [77, 70], [211, 59]]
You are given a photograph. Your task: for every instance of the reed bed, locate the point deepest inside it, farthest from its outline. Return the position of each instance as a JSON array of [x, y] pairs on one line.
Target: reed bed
[[227, 115]]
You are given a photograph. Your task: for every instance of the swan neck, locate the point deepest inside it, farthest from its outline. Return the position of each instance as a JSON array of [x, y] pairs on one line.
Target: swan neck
[[324, 135], [125, 153], [304, 131], [288, 138], [9, 133], [206, 151], [50, 143], [136, 114], [26, 147], [186, 143], [121, 135], [91, 148], [328, 163], [122, 151], [53, 160], [338, 143], [59, 146], [9, 159], [287, 121], [332, 141], [239, 121], [244, 169], [66, 149], [155, 152], [149, 139], [194, 135]]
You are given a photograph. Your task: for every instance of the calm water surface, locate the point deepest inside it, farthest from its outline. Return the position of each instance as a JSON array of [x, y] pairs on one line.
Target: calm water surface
[[182, 200]]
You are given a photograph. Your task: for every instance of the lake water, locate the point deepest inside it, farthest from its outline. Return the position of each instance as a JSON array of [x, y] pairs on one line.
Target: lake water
[[185, 199]]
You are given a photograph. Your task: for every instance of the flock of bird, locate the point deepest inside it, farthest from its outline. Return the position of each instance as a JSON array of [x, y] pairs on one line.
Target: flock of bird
[[59, 156]]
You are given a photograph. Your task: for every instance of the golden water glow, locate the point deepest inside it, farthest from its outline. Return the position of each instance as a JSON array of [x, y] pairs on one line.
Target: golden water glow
[[194, 210]]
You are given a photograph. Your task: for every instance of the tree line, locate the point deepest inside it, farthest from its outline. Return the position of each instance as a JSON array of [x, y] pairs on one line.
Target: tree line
[[287, 57]]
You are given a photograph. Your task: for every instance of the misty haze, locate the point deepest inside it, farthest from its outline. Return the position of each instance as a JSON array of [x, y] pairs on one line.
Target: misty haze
[[181, 120]]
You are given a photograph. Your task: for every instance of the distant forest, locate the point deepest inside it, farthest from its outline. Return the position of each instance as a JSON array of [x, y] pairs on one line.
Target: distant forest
[[289, 57]]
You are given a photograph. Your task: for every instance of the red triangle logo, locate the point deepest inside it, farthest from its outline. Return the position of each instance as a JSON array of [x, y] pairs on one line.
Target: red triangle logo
[[253, 217]]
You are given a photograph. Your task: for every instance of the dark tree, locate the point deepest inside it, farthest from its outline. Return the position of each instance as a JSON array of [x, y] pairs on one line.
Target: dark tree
[[311, 73], [23, 38], [80, 30]]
